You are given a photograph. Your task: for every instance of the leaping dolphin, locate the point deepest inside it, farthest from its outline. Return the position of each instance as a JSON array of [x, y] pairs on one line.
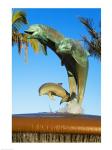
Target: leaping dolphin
[[54, 89]]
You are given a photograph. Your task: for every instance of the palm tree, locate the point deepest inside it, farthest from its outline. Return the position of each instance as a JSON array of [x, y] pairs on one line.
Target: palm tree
[[93, 45], [21, 39]]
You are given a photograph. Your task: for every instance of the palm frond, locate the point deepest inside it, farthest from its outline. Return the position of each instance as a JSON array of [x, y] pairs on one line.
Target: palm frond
[[35, 45], [93, 45], [26, 52], [88, 24], [17, 39], [18, 19], [22, 39]]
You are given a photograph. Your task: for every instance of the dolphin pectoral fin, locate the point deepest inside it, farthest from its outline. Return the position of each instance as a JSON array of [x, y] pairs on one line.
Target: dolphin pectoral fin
[[80, 57], [51, 96]]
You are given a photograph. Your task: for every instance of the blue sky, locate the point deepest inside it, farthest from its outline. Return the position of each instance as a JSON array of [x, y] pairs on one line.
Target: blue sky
[[27, 78]]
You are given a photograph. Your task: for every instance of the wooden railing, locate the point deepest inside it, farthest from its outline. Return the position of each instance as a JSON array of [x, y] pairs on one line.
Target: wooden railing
[[56, 127]]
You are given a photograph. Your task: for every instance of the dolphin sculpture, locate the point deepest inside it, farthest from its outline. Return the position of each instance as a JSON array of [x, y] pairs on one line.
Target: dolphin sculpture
[[54, 89], [72, 47], [75, 60]]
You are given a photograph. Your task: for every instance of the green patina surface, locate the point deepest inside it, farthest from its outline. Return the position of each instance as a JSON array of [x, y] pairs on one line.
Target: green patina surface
[[73, 48], [71, 53]]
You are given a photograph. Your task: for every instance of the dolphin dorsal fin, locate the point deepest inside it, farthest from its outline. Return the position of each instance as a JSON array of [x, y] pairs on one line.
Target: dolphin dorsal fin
[[60, 84]]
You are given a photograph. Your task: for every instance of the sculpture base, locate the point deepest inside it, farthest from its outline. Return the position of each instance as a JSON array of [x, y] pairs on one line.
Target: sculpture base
[[56, 127]]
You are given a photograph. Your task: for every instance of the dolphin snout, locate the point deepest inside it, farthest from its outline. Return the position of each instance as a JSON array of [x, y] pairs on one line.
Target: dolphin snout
[[29, 32]]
